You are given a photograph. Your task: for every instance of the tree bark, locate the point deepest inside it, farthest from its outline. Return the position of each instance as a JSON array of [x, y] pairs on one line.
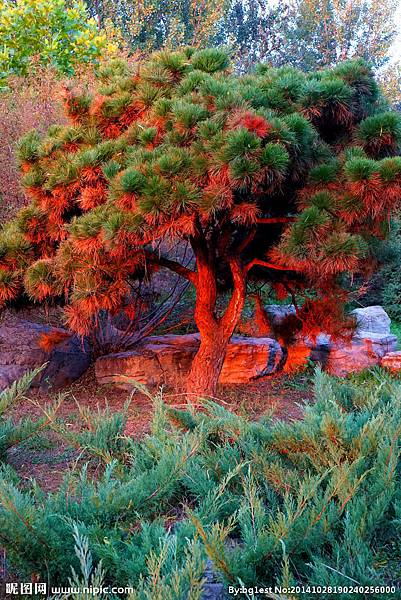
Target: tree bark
[[207, 364], [215, 333]]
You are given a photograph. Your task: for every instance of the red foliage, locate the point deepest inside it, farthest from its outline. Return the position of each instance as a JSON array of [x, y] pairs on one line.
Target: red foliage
[[254, 123], [48, 341], [92, 196]]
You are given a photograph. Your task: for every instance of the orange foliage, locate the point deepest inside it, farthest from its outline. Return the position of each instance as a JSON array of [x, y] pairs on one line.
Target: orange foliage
[[48, 341]]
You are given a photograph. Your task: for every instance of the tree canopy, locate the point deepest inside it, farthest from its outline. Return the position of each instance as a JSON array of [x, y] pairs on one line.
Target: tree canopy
[[327, 31], [306, 34], [57, 33], [279, 175]]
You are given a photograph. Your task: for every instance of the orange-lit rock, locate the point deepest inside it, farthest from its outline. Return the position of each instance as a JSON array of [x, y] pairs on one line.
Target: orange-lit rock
[[365, 350], [371, 341], [298, 357], [167, 359], [392, 361]]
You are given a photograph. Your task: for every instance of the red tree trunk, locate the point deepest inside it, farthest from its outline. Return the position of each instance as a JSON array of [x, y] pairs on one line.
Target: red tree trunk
[[215, 333], [207, 364]]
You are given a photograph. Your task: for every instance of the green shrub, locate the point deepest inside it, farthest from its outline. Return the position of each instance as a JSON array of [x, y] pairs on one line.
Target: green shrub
[[316, 500], [12, 434], [391, 276]]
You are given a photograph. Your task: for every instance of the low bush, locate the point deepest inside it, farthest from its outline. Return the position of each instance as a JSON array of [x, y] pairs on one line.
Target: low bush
[[315, 501], [12, 434]]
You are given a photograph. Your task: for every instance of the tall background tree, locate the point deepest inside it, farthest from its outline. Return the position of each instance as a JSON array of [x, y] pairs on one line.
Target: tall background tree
[[153, 24], [307, 34], [323, 32], [278, 175]]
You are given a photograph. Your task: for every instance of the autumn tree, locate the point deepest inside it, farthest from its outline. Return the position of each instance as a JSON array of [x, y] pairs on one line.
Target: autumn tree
[[54, 32], [154, 24], [324, 32], [278, 175]]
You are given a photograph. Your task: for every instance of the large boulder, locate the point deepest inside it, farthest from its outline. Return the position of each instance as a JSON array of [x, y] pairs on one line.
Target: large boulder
[[20, 352], [371, 341], [373, 319], [365, 350], [168, 358]]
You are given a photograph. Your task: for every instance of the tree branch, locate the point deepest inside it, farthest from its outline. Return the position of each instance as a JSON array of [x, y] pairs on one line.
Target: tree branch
[[247, 240], [265, 263], [172, 265], [274, 220]]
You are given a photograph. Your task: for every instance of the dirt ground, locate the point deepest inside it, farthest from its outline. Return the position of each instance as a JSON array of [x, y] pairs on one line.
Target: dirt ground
[[46, 457]]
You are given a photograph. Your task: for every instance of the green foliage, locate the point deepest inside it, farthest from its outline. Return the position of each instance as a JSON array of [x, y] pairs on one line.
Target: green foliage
[[210, 60], [301, 501], [378, 125], [389, 276], [358, 169], [58, 33], [275, 157], [10, 433], [185, 147]]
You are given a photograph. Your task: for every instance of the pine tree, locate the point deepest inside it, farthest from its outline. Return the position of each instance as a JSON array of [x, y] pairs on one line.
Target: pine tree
[[277, 175]]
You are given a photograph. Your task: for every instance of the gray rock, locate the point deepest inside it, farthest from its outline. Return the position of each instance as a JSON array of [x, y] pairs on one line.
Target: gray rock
[[20, 352], [372, 318], [66, 363], [277, 312], [370, 342]]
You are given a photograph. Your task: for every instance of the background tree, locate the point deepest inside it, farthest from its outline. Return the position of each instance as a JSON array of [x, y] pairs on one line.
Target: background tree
[[155, 24], [56, 34], [257, 30], [277, 175], [304, 33], [327, 31]]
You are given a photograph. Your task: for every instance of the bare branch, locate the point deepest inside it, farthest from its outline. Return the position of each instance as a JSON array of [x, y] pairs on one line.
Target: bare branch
[[274, 220], [265, 263], [172, 265]]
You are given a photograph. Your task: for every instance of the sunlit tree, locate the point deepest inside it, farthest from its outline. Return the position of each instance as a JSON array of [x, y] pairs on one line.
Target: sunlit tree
[[154, 24], [53, 32], [279, 176]]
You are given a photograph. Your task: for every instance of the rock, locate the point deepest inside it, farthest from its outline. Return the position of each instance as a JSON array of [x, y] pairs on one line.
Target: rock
[[213, 589], [158, 359], [372, 318], [392, 361], [249, 358], [365, 350], [20, 352], [320, 349], [277, 312], [371, 341], [67, 362], [168, 358]]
